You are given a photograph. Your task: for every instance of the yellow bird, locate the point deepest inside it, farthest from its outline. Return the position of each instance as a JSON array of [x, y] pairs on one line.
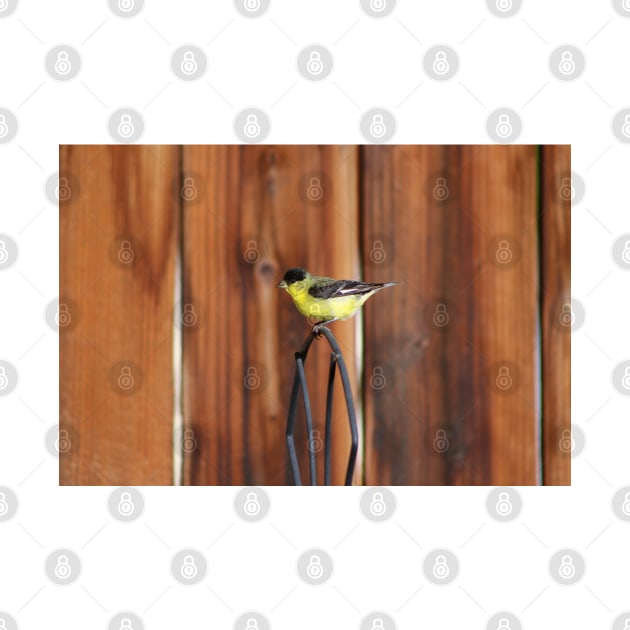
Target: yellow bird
[[324, 300]]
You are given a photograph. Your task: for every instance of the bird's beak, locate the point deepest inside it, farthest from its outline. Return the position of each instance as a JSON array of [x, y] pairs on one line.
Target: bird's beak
[[282, 285]]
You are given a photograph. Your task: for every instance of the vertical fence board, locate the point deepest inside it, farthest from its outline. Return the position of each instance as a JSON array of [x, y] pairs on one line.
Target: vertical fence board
[[119, 218], [250, 213], [556, 312], [436, 217]]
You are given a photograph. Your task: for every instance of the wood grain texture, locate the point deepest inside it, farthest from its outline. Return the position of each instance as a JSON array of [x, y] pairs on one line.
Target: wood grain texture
[[436, 218], [250, 213], [555, 222], [118, 236]]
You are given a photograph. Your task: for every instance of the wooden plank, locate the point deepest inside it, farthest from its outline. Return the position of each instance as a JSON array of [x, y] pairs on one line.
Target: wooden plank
[[118, 236], [252, 212], [436, 217], [555, 279]]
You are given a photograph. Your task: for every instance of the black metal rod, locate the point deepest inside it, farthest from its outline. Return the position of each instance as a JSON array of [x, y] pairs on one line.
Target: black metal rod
[[354, 448], [295, 390], [309, 421], [299, 381], [329, 405]]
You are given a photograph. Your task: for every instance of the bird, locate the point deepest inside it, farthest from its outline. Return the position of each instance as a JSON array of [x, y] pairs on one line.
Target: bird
[[325, 300]]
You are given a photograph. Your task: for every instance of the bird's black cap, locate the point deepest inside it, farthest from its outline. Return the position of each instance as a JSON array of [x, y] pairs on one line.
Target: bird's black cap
[[294, 275]]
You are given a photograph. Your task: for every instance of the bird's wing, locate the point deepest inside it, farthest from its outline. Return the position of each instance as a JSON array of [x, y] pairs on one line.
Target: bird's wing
[[326, 288]]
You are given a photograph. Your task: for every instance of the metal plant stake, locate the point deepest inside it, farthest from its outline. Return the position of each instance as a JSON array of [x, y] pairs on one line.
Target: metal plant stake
[[299, 382]]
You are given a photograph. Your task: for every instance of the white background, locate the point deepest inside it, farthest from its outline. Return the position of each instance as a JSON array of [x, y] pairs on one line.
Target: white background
[[252, 62]]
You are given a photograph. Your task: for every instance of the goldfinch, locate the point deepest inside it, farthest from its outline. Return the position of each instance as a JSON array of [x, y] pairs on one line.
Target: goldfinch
[[324, 300]]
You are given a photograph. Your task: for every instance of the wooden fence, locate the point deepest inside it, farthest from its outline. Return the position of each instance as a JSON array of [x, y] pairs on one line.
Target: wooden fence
[[461, 373]]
